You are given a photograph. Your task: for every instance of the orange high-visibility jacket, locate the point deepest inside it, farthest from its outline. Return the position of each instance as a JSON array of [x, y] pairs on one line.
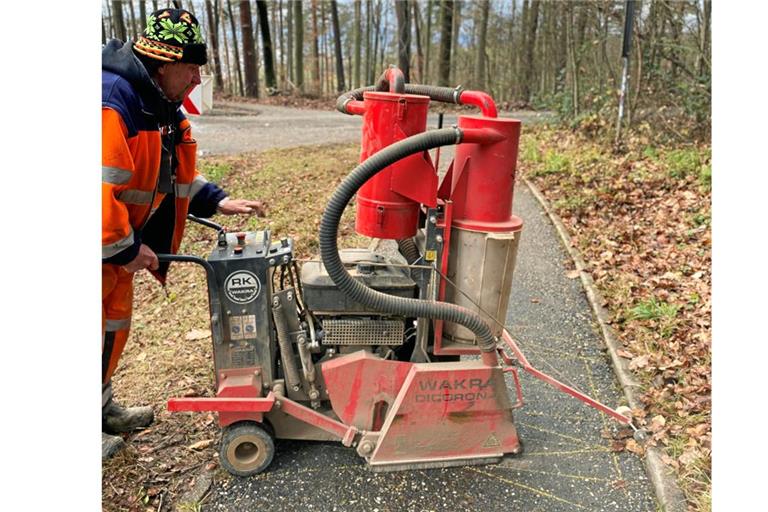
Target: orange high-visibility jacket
[[149, 180]]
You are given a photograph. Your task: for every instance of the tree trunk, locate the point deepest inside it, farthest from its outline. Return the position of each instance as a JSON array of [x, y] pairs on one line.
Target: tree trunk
[[444, 62], [298, 45], [134, 25], [377, 29], [455, 44], [358, 53], [530, 43], [110, 21], [119, 23], [249, 51], [340, 86], [316, 87], [231, 87], [419, 54], [142, 15], [238, 72], [403, 38], [368, 42], [213, 38], [267, 49], [702, 65], [481, 40], [290, 37], [428, 41]]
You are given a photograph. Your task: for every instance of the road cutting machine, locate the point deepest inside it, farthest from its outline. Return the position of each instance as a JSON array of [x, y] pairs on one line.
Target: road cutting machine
[[400, 355]]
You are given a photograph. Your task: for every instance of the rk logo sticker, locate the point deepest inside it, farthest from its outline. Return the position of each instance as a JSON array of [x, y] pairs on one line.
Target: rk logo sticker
[[242, 287]]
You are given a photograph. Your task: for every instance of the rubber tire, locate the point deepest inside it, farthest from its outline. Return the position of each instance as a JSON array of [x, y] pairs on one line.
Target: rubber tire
[[246, 448]]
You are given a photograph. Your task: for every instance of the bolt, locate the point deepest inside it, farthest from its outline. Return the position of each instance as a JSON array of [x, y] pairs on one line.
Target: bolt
[[366, 447], [289, 296], [433, 220], [286, 259], [278, 404], [439, 239], [314, 394], [271, 261], [257, 372], [296, 388], [275, 301]]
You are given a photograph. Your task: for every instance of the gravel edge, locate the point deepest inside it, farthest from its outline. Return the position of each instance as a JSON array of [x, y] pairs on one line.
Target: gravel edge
[[668, 493]]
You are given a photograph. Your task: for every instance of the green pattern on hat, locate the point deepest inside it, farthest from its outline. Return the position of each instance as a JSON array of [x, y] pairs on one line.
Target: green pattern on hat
[[172, 35]]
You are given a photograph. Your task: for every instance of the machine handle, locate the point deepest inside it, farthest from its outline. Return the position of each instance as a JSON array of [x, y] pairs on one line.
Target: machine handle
[[214, 301], [206, 222]]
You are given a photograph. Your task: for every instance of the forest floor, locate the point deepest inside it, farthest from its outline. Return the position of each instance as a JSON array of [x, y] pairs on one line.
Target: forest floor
[[640, 218]]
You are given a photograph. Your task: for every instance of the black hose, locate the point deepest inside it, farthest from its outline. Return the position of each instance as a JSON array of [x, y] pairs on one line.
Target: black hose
[[408, 249], [356, 290], [286, 350], [442, 94]]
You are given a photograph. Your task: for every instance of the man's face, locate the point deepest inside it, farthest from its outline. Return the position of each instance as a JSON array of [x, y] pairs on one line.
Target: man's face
[[176, 79]]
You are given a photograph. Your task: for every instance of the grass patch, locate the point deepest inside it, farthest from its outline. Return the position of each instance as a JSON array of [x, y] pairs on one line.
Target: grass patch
[[683, 163], [214, 170]]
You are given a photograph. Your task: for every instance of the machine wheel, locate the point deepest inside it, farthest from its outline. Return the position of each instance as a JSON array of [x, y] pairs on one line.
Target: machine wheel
[[246, 448]]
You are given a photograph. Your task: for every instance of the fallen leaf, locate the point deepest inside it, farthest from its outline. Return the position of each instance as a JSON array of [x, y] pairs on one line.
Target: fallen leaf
[[689, 457], [639, 362], [141, 356], [572, 274], [657, 423], [201, 445], [197, 334], [623, 353], [634, 447], [535, 300]]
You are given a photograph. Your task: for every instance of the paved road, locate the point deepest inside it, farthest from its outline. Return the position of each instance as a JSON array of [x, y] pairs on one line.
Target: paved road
[[235, 128], [566, 465]]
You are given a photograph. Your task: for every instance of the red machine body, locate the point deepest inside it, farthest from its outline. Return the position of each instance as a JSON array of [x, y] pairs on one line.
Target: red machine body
[[482, 178], [388, 205]]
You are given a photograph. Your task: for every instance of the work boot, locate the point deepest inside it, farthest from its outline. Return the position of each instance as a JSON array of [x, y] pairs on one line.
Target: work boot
[[116, 418], [110, 445]]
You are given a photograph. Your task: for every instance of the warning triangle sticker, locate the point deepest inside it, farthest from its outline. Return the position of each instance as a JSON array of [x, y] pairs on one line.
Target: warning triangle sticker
[[491, 442]]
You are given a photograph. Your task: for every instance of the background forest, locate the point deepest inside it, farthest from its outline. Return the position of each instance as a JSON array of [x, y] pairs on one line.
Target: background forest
[[563, 56]]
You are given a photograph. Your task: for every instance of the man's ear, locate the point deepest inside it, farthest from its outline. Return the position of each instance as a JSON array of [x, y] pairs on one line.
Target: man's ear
[[161, 70]]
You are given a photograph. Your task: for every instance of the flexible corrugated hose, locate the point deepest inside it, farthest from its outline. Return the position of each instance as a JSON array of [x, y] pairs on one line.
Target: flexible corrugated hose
[[356, 290]]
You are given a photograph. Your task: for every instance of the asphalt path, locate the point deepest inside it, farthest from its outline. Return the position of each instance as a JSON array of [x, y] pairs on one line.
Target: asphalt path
[[567, 463]]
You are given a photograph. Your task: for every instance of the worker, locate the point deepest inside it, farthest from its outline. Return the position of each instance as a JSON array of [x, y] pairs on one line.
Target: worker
[[149, 181]]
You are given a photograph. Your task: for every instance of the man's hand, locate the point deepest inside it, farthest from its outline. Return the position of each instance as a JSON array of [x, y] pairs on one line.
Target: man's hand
[[235, 206], [145, 259]]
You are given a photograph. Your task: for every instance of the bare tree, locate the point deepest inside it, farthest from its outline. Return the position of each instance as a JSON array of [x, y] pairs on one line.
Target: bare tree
[[419, 53], [316, 87], [119, 23], [213, 38], [479, 77], [235, 48], [134, 25], [266, 42], [340, 87], [403, 38], [358, 49], [444, 63], [142, 15], [249, 51], [298, 44]]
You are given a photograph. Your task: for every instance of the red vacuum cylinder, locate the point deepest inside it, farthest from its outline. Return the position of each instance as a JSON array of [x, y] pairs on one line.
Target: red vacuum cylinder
[[484, 233], [483, 178], [388, 204]]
